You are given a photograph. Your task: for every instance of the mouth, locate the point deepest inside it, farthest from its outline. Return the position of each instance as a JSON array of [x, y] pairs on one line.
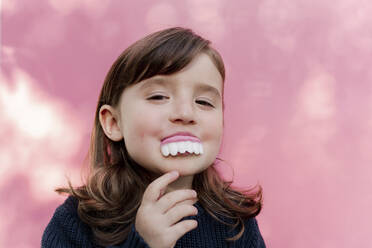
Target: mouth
[[182, 155], [186, 154]]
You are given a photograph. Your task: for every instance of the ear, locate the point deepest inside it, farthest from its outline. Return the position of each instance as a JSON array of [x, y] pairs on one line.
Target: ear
[[110, 122]]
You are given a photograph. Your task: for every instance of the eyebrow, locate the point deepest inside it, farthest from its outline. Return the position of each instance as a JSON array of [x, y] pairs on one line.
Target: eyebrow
[[162, 81]]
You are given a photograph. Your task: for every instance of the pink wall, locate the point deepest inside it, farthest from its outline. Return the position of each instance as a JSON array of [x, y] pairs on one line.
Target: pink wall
[[298, 116]]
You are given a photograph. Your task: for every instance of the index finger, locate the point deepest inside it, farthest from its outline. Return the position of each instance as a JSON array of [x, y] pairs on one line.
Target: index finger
[[155, 188]]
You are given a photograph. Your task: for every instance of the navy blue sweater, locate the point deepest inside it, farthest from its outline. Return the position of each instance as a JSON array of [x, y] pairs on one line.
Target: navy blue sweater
[[67, 230]]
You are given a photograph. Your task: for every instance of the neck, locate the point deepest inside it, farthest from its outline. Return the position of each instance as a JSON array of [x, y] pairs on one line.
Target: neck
[[183, 182]]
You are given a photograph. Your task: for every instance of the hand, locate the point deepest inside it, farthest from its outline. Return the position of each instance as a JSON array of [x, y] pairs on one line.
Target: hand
[[157, 219]]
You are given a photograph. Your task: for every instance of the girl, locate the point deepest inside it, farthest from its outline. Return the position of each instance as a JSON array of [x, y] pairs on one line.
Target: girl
[[157, 132]]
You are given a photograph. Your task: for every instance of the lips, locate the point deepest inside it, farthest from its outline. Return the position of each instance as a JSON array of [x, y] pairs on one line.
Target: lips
[[180, 136]]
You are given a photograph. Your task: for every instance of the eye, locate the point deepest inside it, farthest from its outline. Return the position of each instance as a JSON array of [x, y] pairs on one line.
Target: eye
[[204, 103], [157, 97]]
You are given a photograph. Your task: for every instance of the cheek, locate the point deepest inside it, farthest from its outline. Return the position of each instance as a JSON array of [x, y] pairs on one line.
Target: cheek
[[214, 131], [215, 124], [139, 128]]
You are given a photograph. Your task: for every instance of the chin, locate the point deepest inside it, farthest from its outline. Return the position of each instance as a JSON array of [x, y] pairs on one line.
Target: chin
[[186, 167]]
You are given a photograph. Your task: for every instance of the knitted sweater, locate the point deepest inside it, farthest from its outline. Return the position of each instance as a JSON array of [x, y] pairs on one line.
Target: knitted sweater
[[67, 230]]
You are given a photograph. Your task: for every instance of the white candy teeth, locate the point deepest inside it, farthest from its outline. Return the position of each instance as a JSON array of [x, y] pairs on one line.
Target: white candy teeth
[[189, 146], [165, 150], [173, 149], [181, 147], [195, 147]]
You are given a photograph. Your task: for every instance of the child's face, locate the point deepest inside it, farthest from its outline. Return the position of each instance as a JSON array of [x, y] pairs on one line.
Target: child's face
[[180, 105]]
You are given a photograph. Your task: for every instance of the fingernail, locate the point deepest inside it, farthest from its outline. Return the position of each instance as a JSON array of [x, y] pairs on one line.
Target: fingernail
[[174, 173]]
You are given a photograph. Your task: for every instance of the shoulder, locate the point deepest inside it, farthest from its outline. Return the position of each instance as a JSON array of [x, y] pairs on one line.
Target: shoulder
[[65, 229], [67, 211], [252, 234], [67, 208]]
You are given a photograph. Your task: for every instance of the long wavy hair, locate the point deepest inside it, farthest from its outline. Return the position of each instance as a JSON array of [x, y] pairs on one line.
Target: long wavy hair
[[114, 185]]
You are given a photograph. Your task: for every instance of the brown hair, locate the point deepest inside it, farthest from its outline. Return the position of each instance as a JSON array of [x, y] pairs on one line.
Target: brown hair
[[115, 183]]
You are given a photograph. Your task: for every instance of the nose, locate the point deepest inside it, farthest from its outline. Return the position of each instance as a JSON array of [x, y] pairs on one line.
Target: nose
[[182, 112]]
